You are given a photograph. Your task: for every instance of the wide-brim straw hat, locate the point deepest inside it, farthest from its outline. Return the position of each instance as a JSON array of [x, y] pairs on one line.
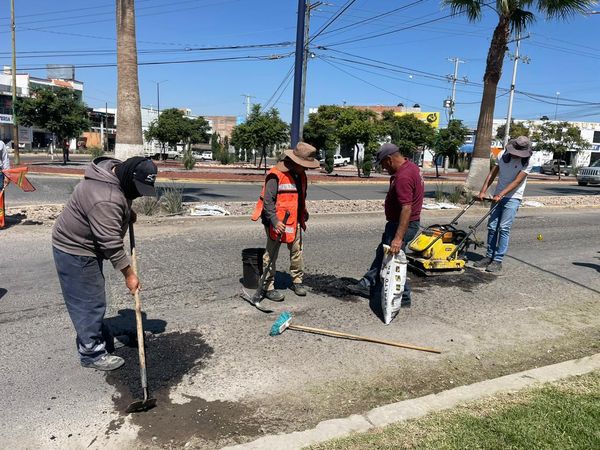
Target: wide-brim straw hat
[[520, 147], [304, 155]]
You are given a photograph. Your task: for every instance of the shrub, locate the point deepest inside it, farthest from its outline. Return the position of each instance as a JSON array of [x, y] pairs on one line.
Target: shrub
[[148, 206], [95, 152], [188, 160], [172, 199], [440, 194], [461, 164]]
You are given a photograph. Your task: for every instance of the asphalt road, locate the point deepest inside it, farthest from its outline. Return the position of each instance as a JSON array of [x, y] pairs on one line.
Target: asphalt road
[[218, 376], [58, 189]]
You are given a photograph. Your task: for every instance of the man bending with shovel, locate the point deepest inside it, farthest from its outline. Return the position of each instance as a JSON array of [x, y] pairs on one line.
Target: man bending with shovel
[[284, 192], [90, 230]]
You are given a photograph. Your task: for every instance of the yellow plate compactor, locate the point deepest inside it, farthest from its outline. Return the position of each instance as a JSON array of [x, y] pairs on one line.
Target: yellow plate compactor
[[440, 249]]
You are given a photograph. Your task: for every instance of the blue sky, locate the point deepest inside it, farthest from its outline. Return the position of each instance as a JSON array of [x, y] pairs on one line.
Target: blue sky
[[565, 56]]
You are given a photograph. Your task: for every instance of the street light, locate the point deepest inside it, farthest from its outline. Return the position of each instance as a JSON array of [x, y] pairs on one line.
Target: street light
[[158, 95], [556, 108]]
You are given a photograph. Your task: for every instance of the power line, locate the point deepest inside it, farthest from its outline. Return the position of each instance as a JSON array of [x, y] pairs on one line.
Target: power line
[[403, 69], [286, 78], [156, 63], [371, 84], [77, 53], [332, 20], [372, 18]]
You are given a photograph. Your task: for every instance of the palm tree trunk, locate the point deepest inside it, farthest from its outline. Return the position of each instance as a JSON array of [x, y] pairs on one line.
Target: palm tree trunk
[[480, 164], [129, 141]]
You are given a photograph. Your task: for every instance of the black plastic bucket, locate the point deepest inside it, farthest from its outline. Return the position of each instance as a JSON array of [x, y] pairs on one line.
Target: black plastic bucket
[[252, 260]]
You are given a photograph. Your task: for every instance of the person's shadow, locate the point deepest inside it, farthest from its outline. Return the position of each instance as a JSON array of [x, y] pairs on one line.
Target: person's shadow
[[124, 323], [3, 292], [588, 265]]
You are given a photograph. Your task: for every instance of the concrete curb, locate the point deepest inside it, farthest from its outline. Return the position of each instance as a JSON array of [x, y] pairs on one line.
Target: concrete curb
[[418, 407]]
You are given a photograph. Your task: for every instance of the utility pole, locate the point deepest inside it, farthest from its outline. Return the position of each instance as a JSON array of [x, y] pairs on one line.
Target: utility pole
[[247, 97], [511, 95], [556, 107], [298, 66], [309, 8], [17, 158], [456, 62]]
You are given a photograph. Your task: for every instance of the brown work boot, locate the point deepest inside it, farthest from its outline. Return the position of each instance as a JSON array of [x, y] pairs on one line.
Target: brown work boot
[[299, 289]]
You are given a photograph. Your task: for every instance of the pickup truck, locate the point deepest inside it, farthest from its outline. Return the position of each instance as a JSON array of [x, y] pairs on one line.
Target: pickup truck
[[551, 167], [338, 160]]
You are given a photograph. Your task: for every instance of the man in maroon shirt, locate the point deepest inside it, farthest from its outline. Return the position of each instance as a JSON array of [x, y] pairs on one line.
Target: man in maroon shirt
[[403, 205]]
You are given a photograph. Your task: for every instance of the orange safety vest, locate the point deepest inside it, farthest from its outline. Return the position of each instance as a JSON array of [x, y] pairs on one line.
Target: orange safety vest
[[287, 200]]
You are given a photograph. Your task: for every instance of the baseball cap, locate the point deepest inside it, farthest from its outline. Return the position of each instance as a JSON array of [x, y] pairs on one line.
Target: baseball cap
[[144, 176], [385, 150]]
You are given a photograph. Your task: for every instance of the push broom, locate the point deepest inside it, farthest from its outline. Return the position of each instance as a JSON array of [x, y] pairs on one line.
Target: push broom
[[284, 322]]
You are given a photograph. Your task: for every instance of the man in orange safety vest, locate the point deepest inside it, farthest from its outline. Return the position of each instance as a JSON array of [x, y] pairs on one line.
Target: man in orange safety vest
[[285, 191]]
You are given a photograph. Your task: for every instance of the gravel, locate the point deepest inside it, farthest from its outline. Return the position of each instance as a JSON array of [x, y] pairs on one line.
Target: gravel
[[47, 214]]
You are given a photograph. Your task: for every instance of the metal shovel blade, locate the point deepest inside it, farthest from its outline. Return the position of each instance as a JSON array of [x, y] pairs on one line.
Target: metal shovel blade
[[141, 406], [257, 304]]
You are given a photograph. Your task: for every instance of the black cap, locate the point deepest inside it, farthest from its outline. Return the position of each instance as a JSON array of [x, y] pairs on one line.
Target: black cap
[[144, 176], [385, 150]]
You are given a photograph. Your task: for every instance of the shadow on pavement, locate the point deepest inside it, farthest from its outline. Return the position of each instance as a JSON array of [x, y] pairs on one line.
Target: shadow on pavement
[[330, 286], [2, 292], [124, 323], [596, 267]]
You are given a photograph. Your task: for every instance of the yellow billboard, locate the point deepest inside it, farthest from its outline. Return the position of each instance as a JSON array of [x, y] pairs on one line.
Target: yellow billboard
[[432, 118]]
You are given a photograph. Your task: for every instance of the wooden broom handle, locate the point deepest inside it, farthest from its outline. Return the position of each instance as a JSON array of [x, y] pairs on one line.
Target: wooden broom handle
[[361, 338]]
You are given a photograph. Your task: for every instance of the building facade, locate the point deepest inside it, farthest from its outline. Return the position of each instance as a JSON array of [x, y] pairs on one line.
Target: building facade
[[29, 137], [590, 131]]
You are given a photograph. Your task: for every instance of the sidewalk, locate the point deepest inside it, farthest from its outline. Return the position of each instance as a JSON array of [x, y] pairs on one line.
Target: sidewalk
[[419, 407], [247, 173]]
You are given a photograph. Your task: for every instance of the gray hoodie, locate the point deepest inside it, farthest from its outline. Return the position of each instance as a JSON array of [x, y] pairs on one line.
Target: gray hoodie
[[96, 217]]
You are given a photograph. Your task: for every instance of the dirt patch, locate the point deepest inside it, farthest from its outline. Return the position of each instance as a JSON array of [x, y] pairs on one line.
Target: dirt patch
[[468, 281], [170, 357], [343, 397], [330, 286]]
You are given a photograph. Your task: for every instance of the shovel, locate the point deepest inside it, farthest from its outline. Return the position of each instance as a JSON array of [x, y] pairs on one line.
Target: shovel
[[256, 299], [147, 403]]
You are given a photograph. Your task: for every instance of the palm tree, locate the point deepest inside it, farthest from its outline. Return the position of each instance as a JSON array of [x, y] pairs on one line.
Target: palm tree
[[514, 16], [129, 130]]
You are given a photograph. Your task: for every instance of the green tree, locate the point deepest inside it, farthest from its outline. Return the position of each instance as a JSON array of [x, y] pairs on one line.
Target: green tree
[[448, 141], [320, 132], [354, 127], [57, 110], [173, 127], [516, 129], [559, 138], [215, 146], [408, 133], [169, 129], [514, 16], [262, 131], [243, 140]]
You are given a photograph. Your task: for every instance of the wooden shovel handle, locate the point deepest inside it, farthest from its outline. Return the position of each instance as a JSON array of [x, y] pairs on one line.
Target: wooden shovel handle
[[138, 315], [361, 338]]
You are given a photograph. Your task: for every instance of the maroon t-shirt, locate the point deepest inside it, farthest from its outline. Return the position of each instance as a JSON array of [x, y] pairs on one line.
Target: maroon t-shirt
[[406, 188]]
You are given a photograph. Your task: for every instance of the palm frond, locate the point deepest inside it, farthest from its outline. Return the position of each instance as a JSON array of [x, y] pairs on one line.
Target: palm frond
[[469, 8], [520, 20], [564, 9]]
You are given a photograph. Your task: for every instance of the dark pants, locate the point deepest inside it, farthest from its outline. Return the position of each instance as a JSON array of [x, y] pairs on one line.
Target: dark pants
[[82, 283], [371, 278]]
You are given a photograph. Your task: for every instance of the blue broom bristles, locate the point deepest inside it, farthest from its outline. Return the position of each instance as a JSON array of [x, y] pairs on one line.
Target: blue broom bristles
[[281, 323]]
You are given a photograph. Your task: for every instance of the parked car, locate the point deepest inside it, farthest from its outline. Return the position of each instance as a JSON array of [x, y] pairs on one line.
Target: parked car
[[164, 155], [206, 155], [338, 160], [590, 174], [552, 166]]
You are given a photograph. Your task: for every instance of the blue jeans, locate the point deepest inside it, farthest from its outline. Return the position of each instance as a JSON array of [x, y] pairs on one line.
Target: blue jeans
[[499, 225], [82, 283], [371, 278]]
